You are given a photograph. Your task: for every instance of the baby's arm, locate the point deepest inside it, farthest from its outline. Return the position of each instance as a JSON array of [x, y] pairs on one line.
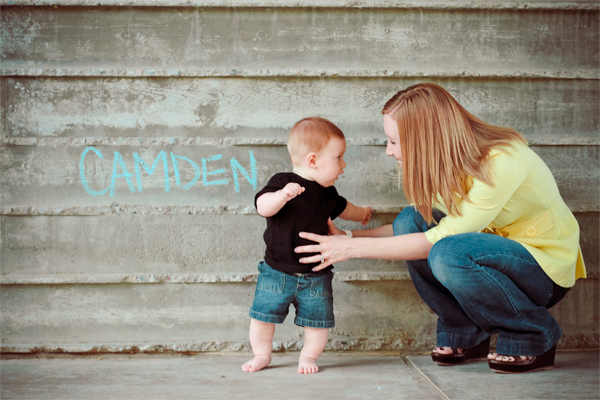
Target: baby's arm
[[270, 203], [358, 214]]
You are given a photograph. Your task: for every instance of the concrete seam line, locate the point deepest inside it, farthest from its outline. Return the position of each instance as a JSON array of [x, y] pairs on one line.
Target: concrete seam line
[[224, 142], [352, 4], [116, 209], [149, 278], [123, 348], [145, 279], [116, 72], [425, 379], [108, 279]]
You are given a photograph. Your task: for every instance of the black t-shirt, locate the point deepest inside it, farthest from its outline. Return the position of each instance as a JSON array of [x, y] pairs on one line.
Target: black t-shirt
[[307, 212]]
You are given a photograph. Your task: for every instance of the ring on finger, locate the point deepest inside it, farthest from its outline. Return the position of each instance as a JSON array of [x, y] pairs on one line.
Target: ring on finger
[[322, 258]]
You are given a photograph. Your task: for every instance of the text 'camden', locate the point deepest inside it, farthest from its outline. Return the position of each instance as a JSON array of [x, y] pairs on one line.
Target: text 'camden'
[[211, 175]]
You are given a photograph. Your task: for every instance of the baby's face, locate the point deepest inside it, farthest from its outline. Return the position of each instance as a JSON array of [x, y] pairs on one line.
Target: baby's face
[[330, 162]]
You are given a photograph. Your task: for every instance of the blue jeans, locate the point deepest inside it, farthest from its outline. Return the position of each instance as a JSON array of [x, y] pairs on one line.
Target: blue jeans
[[479, 284], [311, 294]]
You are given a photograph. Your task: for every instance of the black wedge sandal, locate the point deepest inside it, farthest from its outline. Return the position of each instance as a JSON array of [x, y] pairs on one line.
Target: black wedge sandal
[[520, 366], [476, 353]]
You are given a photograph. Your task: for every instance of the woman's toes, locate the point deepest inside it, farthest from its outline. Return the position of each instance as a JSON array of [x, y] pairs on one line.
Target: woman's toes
[[445, 350], [507, 358], [510, 359]]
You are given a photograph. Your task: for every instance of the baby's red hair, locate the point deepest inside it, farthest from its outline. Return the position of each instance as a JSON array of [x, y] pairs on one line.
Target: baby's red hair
[[311, 135]]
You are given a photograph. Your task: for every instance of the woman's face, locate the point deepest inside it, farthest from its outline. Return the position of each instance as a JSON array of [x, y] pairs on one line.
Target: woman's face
[[393, 138]]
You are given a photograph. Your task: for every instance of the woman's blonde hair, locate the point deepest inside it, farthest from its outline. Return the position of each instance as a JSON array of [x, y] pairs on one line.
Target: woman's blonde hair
[[442, 145], [311, 134]]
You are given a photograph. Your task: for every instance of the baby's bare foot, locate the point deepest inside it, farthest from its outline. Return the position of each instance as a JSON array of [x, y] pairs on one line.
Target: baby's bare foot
[[256, 364], [307, 365]]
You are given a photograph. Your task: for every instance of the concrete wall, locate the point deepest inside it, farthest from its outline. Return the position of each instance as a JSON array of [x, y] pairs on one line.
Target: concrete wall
[[101, 253]]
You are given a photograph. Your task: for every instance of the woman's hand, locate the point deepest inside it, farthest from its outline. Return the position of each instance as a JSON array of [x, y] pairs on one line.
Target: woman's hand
[[331, 249]]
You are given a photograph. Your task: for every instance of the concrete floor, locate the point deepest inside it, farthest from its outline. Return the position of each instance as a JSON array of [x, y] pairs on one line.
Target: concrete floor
[[342, 376]]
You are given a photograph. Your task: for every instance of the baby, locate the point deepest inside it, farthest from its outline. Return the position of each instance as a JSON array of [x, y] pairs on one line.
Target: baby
[[299, 201]]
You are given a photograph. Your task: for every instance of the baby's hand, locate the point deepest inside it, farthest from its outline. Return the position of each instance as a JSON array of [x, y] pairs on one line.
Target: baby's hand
[[368, 211], [291, 190]]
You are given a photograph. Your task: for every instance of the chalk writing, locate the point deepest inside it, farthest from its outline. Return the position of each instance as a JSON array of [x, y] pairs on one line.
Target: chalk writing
[[196, 170], [120, 170], [139, 162], [205, 172]]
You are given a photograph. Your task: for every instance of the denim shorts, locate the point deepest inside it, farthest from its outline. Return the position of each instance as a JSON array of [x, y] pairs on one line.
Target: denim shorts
[[311, 295]]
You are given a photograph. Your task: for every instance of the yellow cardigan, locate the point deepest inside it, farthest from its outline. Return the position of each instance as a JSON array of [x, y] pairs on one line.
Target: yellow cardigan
[[524, 205]]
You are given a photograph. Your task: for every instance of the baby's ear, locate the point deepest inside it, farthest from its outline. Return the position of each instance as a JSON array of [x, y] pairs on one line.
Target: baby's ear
[[311, 160]]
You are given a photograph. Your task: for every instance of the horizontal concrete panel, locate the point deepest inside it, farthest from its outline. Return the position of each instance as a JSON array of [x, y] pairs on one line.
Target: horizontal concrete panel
[[185, 249], [208, 175], [543, 110], [164, 245], [216, 277], [226, 176], [369, 316], [44, 71], [423, 4], [298, 39], [387, 313]]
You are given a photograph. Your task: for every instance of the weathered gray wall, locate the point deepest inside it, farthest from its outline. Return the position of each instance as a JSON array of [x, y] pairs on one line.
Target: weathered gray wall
[[98, 257]]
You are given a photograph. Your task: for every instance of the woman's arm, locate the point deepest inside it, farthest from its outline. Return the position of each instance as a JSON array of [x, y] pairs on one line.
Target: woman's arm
[[382, 231], [336, 248]]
